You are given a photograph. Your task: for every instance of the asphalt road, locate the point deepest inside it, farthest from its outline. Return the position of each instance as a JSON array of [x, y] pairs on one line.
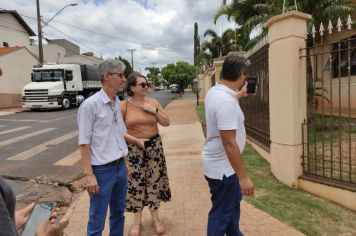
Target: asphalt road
[[42, 146]]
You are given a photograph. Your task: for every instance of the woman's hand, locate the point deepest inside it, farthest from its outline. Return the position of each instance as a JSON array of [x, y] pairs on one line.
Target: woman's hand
[[149, 109], [141, 143], [21, 216]]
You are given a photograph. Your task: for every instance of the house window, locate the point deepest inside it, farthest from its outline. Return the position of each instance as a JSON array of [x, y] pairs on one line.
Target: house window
[[340, 57]]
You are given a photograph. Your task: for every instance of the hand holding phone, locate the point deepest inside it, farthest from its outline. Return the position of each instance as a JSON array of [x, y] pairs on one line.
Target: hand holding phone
[[41, 212], [251, 85]]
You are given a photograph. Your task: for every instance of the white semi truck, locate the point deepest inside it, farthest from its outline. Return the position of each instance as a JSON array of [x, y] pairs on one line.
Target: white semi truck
[[60, 85]]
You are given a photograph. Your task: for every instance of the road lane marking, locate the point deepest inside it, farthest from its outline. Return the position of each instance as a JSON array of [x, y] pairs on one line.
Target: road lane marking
[[14, 130], [18, 120], [63, 117], [40, 121], [42, 147], [25, 136], [69, 160]]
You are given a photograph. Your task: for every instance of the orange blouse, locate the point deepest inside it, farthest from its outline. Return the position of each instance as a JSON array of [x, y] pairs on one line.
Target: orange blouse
[[140, 123]]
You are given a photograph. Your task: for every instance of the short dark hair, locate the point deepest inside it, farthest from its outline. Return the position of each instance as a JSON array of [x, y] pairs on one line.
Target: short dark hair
[[234, 65], [131, 81]]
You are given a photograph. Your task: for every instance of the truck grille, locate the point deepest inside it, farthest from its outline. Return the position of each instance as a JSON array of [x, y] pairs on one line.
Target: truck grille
[[38, 95]]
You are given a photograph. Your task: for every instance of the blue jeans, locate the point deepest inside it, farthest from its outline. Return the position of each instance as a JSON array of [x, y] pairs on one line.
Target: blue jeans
[[224, 215], [112, 182]]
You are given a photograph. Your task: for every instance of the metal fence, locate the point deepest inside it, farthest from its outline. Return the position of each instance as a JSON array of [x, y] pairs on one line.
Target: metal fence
[[256, 108], [329, 133]]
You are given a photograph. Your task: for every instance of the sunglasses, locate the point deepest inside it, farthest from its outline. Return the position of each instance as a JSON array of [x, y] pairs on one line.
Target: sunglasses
[[121, 75], [144, 85]]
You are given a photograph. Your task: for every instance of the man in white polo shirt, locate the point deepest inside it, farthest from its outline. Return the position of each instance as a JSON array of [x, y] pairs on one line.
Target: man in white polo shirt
[[103, 148], [226, 136]]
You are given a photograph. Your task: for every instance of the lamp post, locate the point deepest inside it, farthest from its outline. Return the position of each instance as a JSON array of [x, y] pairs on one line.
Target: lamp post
[[39, 26]]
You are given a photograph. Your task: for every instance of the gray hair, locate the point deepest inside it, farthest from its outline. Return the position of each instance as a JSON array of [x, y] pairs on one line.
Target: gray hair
[[234, 65], [108, 66]]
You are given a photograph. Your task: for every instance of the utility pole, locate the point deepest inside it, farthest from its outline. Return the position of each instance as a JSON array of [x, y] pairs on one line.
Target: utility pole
[[39, 26], [131, 50], [40, 47]]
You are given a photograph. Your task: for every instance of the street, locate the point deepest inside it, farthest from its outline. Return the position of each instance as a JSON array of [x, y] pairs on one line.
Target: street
[[39, 152]]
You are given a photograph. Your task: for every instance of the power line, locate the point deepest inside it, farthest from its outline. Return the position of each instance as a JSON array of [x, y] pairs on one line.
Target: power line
[[73, 39], [114, 37], [4, 26], [66, 48]]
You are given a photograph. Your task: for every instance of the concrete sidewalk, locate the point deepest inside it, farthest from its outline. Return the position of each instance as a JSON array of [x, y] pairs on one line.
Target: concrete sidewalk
[[186, 214], [8, 111]]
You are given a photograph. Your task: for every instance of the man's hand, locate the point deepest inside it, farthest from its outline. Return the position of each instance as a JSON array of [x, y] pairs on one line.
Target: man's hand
[[48, 227], [242, 92], [92, 184], [246, 186], [21, 217]]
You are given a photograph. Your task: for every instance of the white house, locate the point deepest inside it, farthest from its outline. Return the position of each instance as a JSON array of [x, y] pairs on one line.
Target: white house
[[85, 58], [14, 31], [51, 52], [16, 64], [64, 51]]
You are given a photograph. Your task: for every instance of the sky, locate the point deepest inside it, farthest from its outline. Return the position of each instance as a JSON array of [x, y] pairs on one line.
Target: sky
[[160, 31]]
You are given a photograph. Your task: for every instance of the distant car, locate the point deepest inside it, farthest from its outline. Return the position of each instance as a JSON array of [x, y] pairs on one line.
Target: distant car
[[159, 88], [175, 89]]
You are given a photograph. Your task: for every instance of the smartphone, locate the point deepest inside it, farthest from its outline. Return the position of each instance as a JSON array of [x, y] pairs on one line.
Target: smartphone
[[251, 86], [41, 212], [147, 144]]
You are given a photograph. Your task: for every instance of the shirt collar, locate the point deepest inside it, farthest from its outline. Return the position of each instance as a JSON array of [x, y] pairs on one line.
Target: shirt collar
[[226, 89], [105, 98]]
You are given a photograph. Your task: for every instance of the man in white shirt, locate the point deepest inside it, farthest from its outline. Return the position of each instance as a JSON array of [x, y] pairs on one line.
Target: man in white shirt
[[103, 148], [226, 136]]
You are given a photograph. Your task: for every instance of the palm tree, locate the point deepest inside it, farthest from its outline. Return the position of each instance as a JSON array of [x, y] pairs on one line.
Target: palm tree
[[218, 45], [252, 14]]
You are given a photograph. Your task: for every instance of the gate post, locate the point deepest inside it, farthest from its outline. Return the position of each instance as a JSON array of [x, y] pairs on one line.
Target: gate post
[[287, 93]]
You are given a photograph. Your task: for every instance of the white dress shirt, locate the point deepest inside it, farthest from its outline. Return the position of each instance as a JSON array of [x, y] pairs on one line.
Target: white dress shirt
[[101, 126]]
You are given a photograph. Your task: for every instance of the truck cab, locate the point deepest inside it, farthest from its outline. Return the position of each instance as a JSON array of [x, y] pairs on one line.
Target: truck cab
[[58, 86]]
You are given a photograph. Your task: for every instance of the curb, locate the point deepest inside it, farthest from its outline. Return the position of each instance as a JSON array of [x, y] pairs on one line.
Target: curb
[[65, 219], [9, 111]]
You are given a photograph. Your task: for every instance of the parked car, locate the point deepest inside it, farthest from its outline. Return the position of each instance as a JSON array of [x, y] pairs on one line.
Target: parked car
[[175, 89], [159, 88]]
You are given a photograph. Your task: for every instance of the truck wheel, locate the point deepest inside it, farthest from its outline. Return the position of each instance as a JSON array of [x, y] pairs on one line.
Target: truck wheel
[[66, 103]]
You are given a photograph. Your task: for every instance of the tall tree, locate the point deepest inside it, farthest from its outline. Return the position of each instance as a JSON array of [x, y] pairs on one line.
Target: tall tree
[[196, 45], [153, 75], [219, 46], [252, 14], [128, 69], [181, 73]]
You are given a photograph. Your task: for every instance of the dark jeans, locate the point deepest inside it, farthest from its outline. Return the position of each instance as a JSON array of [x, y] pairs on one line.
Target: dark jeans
[[112, 182], [224, 216]]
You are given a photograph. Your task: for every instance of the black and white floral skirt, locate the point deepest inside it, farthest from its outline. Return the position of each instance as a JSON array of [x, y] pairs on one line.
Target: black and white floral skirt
[[148, 183]]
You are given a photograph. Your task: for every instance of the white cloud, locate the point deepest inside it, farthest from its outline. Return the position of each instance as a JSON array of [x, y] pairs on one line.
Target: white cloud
[[161, 31]]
